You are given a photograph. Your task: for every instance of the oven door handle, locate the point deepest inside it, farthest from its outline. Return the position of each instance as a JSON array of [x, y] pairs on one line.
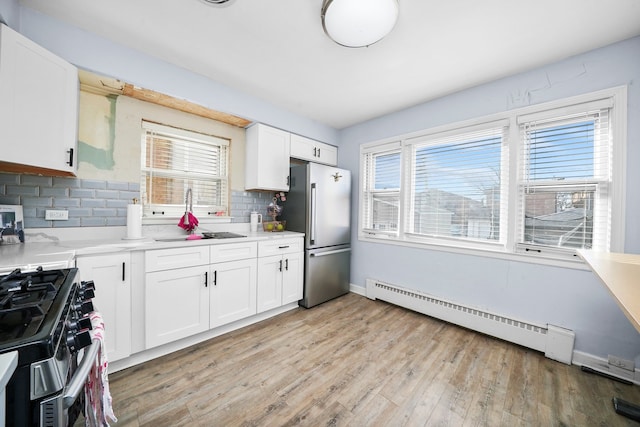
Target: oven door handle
[[80, 375]]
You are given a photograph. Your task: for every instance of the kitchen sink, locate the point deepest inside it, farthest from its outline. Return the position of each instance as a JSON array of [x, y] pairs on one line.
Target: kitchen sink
[[221, 235], [171, 239], [205, 235]]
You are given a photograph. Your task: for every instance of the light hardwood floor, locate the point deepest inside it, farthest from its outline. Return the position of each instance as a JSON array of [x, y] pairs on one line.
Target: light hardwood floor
[[357, 362]]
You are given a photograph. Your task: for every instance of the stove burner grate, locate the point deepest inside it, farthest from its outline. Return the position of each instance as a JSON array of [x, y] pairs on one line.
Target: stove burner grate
[[25, 298], [26, 295], [15, 323]]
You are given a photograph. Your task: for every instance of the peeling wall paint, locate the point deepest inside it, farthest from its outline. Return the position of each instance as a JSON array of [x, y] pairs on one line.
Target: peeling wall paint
[[96, 131]]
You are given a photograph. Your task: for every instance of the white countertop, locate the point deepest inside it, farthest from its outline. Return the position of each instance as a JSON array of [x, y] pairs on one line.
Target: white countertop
[[29, 255], [620, 274]]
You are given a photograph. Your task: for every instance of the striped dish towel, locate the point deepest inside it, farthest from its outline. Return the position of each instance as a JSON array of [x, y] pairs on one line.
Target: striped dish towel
[[97, 404]]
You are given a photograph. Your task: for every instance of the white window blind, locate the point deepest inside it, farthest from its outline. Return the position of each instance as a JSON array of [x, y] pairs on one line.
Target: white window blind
[[564, 189], [456, 189], [174, 160], [381, 184]]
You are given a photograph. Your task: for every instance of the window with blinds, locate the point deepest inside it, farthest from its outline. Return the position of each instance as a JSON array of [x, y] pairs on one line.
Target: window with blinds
[[175, 160], [456, 184], [381, 211], [540, 181], [566, 175]]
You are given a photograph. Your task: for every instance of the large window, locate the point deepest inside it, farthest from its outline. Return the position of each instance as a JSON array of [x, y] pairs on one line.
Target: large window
[[537, 181], [174, 161], [566, 175], [455, 184]]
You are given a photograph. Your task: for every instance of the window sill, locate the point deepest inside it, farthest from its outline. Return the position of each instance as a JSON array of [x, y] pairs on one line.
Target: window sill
[[577, 264]]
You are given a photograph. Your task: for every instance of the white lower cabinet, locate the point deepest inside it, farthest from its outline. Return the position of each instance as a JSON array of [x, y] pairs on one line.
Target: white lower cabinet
[[280, 276], [292, 278], [232, 293], [270, 283], [111, 275], [190, 290], [176, 304]]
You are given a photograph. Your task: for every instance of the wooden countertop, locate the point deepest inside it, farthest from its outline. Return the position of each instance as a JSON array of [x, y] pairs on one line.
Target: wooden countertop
[[621, 275]]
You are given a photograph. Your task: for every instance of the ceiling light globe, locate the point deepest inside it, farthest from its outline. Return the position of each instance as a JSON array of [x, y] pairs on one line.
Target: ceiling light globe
[[358, 23]]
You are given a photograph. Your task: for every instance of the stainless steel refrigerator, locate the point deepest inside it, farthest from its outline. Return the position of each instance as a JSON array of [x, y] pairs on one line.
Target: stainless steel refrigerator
[[319, 205]]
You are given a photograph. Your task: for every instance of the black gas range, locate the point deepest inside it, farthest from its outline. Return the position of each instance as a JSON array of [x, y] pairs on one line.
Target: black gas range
[[43, 317]]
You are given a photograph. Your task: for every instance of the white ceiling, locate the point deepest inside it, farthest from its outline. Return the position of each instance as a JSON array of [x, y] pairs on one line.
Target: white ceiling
[[276, 50]]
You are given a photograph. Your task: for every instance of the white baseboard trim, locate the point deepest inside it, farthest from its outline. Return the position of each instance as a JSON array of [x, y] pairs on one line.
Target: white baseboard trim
[[360, 290], [602, 365]]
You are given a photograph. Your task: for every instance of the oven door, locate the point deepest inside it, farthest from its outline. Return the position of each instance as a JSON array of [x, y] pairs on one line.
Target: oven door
[[63, 409]]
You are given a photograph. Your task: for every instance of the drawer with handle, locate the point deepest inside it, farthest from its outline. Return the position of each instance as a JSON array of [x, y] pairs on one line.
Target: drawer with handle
[[280, 246]]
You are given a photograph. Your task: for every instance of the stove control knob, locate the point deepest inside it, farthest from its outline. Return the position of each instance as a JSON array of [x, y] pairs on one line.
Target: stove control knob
[[86, 294], [88, 284], [83, 307], [76, 341], [80, 324]]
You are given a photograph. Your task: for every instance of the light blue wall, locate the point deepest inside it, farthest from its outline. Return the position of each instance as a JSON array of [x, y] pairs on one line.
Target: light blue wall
[[569, 298], [9, 11]]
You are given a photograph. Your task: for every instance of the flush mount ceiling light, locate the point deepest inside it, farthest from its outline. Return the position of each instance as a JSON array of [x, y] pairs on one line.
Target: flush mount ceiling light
[[217, 2], [358, 23]]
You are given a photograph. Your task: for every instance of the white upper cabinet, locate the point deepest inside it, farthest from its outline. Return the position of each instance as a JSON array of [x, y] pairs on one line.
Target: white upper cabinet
[[267, 158], [38, 107], [307, 149]]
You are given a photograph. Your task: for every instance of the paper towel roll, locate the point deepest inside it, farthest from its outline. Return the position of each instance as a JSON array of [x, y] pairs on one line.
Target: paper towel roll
[[134, 221]]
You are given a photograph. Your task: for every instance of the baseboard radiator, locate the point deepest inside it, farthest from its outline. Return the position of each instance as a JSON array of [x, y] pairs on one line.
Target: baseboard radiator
[[556, 342]]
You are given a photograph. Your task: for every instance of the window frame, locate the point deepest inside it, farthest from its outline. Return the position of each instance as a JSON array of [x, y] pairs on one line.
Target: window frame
[[509, 248], [369, 190], [600, 182], [436, 139], [172, 212]]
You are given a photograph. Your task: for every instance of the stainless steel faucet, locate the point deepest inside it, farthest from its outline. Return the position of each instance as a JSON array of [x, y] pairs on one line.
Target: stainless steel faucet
[[188, 205]]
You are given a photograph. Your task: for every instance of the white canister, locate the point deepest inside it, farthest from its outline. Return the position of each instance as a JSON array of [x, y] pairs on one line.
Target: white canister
[[256, 219]]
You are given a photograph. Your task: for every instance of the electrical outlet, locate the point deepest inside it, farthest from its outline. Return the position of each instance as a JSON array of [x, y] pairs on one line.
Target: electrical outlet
[[628, 365], [56, 215]]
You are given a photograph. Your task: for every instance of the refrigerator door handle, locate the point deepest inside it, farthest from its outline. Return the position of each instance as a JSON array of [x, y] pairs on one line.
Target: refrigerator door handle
[[337, 251], [312, 237]]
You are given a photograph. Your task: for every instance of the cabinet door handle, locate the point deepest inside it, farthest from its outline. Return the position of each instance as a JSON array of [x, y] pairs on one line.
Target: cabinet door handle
[[286, 264], [283, 247], [318, 152], [314, 151], [280, 268], [123, 268], [312, 209], [215, 278], [206, 279], [70, 162]]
